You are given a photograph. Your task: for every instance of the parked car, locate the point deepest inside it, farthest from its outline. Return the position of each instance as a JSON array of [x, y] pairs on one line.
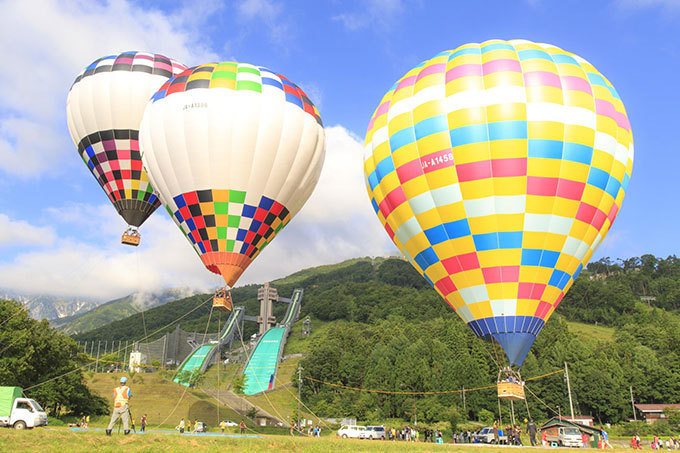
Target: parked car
[[485, 436], [373, 432], [201, 427], [351, 431], [230, 423]]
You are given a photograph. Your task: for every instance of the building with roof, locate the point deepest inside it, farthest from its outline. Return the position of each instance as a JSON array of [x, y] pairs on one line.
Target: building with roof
[[653, 412]]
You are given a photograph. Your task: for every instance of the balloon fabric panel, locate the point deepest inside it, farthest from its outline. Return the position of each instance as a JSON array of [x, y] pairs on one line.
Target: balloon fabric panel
[[105, 106], [234, 151], [497, 169]]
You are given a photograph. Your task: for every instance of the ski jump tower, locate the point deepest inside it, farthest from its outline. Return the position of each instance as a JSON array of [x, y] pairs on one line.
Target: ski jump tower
[[266, 295]]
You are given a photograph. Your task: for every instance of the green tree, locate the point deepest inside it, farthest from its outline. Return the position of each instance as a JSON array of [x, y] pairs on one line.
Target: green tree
[[45, 362]]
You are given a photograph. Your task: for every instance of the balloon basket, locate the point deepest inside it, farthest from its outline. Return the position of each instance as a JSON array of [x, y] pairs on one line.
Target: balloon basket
[[222, 300], [511, 386], [510, 391], [131, 237]]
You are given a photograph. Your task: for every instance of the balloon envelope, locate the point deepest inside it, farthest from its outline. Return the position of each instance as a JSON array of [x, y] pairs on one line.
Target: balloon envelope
[[497, 169], [104, 109], [234, 151]]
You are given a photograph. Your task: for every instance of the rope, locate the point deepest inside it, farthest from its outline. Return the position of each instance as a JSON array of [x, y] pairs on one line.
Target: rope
[[396, 393], [542, 402], [124, 349], [15, 340], [443, 392], [229, 406], [307, 407], [258, 381], [545, 375], [148, 350]]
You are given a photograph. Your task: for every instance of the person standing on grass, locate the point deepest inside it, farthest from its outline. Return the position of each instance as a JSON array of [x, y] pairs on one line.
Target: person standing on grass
[[531, 430], [222, 426], [143, 421], [242, 425], [605, 439], [121, 408], [181, 426]]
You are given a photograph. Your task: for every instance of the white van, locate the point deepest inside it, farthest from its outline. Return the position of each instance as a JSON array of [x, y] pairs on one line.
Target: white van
[[351, 431]]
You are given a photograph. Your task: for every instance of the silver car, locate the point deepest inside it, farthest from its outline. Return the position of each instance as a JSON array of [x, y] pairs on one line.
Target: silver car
[[373, 432]]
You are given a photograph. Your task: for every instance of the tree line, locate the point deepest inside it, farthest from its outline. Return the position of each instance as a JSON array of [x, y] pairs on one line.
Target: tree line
[[391, 331]]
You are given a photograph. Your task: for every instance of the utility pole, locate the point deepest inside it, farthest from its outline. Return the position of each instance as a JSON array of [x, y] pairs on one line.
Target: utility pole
[[96, 364], [632, 403], [571, 405], [299, 393], [91, 353]]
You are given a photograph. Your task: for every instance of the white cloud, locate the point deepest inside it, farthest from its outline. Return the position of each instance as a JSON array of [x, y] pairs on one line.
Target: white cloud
[[373, 13], [49, 47], [101, 268], [337, 223], [18, 232]]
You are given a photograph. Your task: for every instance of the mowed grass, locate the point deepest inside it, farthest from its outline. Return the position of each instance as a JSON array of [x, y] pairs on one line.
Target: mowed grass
[[297, 344], [63, 440], [590, 332], [164, 402]]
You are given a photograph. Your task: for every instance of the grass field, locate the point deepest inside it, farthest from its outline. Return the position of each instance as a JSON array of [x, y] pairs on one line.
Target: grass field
[[163, 401], [62, 440], [591, 332]]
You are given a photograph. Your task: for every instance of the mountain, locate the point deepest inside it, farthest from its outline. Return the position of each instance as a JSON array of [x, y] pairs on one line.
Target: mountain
[[50, 307], [194, 319], [118, 309]]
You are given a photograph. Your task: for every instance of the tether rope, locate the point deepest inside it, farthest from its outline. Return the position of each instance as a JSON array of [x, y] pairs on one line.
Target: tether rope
[[443, 392]]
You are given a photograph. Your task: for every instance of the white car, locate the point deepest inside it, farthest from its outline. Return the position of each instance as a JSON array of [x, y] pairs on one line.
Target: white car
[[230, 423], [485, 436], [373, 432], [351, 431]]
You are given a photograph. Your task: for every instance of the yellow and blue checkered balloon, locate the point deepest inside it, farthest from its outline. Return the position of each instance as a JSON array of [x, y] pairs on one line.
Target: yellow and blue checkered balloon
[[497, 169]]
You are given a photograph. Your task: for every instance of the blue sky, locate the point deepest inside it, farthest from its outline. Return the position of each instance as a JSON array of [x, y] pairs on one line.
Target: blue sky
[[59, 235]]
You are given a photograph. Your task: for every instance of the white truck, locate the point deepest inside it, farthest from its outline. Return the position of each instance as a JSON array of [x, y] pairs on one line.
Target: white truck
[[564, 436], [18, 412]]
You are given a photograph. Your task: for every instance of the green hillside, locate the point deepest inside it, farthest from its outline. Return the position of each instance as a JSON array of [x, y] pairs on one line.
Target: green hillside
[[376, 324], [132, 327], [116, 309]]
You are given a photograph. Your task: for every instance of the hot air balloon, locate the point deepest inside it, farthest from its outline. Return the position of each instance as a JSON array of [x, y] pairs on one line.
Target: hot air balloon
[[104, 109], [234, 151], [497, 169]]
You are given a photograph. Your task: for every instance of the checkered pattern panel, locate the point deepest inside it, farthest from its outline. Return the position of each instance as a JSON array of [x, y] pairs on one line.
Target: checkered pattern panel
[[497, 169], [237, 76], [133, 61], [221, 221]]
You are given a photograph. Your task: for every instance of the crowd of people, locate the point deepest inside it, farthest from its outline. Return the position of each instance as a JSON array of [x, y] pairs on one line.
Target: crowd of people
[[672, 443]]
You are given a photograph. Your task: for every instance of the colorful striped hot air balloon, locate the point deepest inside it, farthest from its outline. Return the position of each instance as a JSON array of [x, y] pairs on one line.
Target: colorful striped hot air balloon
[[104, 108], [497, 169], [234, 151]]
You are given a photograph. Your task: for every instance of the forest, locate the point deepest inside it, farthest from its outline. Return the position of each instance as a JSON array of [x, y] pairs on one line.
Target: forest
[[392, 332]]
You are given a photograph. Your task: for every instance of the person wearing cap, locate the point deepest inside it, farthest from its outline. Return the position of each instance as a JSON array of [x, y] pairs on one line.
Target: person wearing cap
[[121, 408]]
